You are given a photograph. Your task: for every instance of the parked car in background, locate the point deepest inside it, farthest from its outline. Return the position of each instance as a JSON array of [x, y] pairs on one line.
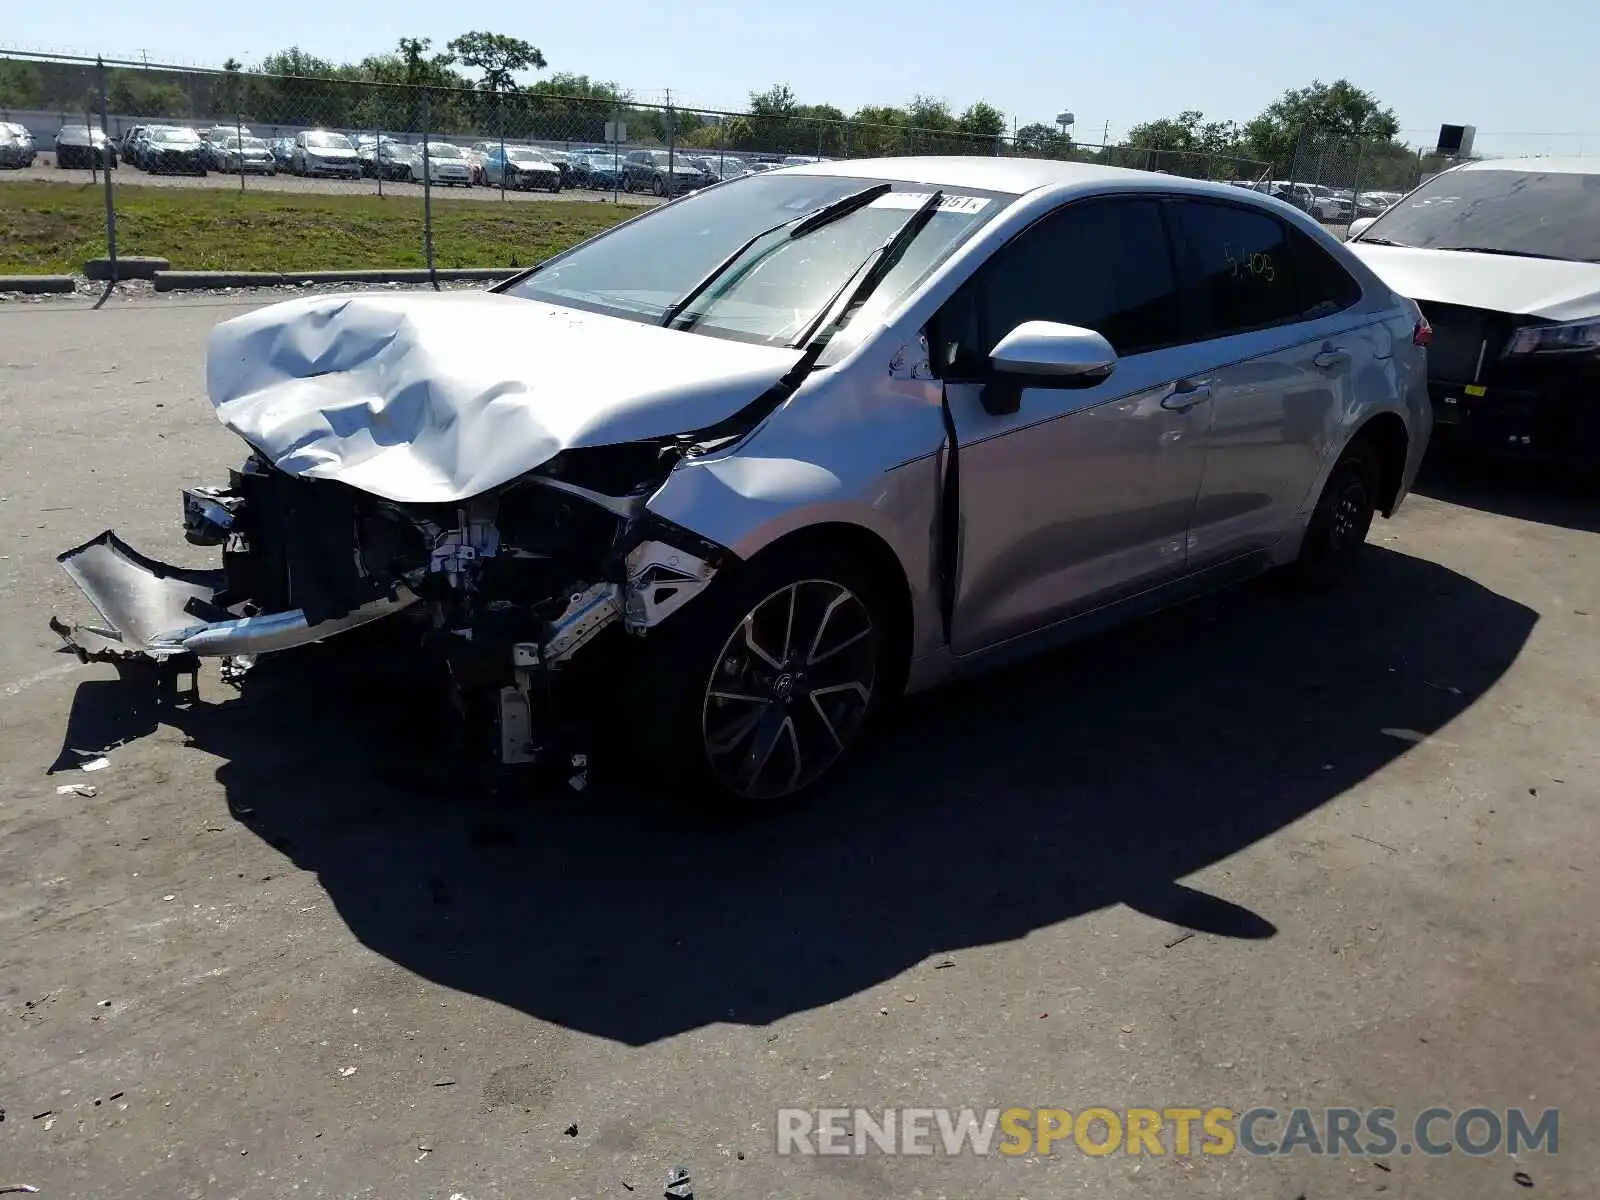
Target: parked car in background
[[962, 410], [322, 152], [522, 169], [720, 168], [250, 155], [1503, 256], [16, 146], [79, 146], [127, 144], [602, 171], [283, 152], [444, 163], [393, 160], [217, 137], [651, 171], [174, 150], [1374, 204], [1310, 198]]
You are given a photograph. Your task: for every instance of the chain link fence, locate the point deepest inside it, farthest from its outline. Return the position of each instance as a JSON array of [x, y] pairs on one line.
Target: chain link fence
[[414, 145], [1339, 180]]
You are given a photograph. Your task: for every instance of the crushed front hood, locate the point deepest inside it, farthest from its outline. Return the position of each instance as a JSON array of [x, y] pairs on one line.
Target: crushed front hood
[[439, 397], [1534, 287]]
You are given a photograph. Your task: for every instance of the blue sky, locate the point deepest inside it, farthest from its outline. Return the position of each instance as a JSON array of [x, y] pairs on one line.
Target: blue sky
[[1521, 73]]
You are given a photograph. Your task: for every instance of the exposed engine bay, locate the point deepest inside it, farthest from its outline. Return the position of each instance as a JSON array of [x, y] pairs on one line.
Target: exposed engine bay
[[509, 589]]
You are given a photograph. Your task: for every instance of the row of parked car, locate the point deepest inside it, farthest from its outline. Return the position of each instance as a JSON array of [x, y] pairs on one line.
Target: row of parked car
[[1333, 206], [181, 149]]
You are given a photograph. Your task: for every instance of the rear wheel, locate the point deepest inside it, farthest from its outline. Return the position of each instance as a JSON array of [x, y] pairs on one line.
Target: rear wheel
[[1339, 524], [763, 687]]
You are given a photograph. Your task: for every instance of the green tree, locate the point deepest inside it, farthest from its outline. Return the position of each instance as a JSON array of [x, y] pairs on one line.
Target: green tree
[[877, 130], [1038, 140], [982, 120], [20, 85], [1329, 111], [499, 56], [132, 93]]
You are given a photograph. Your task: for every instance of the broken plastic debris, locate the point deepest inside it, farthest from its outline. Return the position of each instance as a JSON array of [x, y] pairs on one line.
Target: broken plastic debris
[[678, 1185], [18, 1187], [75, 789], [95, 764], [346, 1072]]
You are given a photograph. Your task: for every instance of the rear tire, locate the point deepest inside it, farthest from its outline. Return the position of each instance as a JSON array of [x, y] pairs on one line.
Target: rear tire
[[1341, 520], [763, 686]]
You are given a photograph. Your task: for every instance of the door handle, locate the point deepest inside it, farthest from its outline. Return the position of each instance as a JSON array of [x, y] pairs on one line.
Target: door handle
[[1186, 395], [1330, 357]]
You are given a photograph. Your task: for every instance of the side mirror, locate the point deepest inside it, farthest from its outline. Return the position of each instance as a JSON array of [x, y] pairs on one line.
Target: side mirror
[[1044, 354], [1359, 225]]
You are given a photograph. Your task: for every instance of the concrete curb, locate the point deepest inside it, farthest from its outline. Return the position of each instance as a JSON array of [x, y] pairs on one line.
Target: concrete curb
[[37, 285], [180, 281], [134, 266]]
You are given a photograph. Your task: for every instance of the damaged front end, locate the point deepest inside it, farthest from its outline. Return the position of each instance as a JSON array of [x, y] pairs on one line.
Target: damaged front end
[[515, 590]]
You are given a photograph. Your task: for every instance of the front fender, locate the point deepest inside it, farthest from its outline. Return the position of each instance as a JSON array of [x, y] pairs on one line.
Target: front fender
[[829, 457]]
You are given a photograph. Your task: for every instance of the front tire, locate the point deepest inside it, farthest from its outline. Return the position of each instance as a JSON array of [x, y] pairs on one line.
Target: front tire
[[764, 685], [1341, 520]]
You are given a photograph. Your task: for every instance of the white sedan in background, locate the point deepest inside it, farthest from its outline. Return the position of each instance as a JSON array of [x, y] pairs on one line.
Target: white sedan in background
[[444, 164]]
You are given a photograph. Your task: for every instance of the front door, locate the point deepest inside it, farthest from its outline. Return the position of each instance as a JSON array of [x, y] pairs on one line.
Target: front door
[[1082, 495]]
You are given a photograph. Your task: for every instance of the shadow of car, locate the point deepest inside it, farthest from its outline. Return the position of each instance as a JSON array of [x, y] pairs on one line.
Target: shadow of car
[[1100, 775]]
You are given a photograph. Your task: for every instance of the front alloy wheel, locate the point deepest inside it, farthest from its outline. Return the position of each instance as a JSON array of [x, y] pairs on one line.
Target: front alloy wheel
[[790, 689]]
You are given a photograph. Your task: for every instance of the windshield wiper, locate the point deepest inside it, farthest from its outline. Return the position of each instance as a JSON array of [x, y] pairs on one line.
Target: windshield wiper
[[798, 227], [1501, 250], [876, 269], [1379, 241]]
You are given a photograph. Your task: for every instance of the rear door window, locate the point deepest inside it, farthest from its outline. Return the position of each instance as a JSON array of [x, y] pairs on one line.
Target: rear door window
[[1252, 271]]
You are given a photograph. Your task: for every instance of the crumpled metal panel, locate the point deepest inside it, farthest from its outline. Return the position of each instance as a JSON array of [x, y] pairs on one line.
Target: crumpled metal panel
[[440, 397]]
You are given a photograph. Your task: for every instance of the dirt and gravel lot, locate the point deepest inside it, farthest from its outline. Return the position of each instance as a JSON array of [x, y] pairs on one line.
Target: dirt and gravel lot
[[44, 171], [285, 949]]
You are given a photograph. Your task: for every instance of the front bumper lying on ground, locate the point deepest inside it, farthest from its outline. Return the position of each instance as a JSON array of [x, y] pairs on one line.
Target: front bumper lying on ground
[[156, 610]]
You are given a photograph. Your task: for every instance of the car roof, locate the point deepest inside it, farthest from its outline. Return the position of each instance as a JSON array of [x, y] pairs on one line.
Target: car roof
[[1536, 166], [1015, 175]]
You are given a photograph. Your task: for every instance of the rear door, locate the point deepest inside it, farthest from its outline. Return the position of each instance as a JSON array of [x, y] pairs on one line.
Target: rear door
[[1283, 322]]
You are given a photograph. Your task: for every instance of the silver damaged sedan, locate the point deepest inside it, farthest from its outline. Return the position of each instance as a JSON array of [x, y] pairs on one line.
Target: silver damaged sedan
[[720, 484]]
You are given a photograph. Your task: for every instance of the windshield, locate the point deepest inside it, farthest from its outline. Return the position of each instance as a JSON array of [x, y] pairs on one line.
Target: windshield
[[328, 141], [641, 269], [524, 156], [1546, 214], [250, 143], [187, 136], [442, 150]]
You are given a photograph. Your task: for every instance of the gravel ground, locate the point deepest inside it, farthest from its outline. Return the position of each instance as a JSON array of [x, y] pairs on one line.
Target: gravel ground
[[1262, 851], [44, 170]]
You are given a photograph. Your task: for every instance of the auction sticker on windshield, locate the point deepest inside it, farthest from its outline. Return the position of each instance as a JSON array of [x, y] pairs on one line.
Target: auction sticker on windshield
[[915, 200]]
